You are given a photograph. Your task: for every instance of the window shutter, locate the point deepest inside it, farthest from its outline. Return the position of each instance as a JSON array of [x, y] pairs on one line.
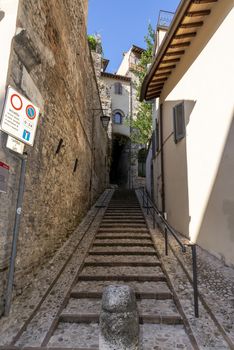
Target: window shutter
[[179, 122], [118, 88]]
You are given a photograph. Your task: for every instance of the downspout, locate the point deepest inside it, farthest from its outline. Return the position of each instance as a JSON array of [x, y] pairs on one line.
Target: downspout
[[162, 159]]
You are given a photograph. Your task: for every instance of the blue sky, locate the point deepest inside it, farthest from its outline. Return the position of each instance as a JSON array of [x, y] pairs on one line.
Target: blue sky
[[122, 23]]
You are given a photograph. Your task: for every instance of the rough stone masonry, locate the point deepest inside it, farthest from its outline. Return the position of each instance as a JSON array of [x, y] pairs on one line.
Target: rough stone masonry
[[50, 63]]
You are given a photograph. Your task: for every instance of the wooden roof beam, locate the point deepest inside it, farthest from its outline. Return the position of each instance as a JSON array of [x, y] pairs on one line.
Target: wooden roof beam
[[162, 74], [175, 53], [203, 1], [156, 94], [198, 13], [191, 25], [158, 87], [161, 80], [185, 35], [167, 67], [172, 60], [174, 46]]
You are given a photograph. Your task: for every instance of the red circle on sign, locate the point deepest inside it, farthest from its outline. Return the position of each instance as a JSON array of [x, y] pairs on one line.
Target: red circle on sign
[[16, 98], [31, 112]]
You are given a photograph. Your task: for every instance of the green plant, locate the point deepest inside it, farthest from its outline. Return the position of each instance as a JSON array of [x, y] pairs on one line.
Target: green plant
[[95, 43], [141, 123]]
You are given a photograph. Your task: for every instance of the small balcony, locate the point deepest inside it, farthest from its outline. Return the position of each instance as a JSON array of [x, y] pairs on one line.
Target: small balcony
[[164, 19]]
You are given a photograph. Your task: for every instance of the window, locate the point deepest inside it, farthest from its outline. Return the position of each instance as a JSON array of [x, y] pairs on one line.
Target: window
[[117, 118], [118, 88], [142, 154], [179, 123]]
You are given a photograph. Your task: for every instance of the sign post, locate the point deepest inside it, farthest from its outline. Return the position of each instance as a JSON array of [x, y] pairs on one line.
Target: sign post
[[19, 121]]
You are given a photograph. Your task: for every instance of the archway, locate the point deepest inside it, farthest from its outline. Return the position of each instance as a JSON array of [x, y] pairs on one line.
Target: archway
[[119, 172]]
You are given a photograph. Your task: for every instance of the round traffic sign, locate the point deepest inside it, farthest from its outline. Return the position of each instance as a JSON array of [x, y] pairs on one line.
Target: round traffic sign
[[30, 112], [16, 102]]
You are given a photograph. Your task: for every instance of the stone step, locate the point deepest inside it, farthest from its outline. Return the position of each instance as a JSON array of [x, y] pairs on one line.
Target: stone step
[[125, 278], [139, 295], [86, 336], [101, 237], [150, 307], [106, 271], [123, 250], [150, 287], [92, 317], [122, 224], [123, 230], [123, 206], [126, 258], [122, 243], [75, 336], [122, 263], [123, 221], [131, 211], [123, 215]]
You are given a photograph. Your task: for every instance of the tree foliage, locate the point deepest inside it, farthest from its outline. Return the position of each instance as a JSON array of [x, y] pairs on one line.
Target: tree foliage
[[141, 123]]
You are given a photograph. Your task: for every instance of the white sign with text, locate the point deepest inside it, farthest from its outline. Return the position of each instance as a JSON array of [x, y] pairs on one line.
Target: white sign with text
[[20, 117]]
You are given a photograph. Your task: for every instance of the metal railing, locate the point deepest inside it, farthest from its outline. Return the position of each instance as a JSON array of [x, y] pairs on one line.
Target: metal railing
[[164, 19], [154, 211]]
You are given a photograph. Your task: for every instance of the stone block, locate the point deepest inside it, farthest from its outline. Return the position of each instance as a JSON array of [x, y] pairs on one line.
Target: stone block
[[119, 320]]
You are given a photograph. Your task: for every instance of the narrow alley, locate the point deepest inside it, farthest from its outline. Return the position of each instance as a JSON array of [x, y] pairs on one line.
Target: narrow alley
[[116, 175]]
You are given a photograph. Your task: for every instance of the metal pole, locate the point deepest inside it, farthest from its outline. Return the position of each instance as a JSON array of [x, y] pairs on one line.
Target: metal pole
[[147, 203], [15, 237], [166, 241], [195, 289], [153, 218], [143, 196]]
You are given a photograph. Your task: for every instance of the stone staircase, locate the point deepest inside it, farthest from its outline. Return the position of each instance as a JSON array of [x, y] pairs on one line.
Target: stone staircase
[[122, 253]]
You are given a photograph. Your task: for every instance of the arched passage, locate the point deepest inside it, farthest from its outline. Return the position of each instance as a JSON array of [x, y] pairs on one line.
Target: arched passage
[[119, 172]]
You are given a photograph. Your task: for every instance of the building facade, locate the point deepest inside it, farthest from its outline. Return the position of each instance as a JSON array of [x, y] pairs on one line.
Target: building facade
[[120, 89], [193, 169]]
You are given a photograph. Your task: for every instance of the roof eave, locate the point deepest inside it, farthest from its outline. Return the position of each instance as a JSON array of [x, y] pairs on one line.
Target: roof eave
[[181, 10]]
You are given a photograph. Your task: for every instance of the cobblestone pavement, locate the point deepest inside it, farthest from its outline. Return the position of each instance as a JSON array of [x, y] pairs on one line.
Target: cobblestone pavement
[[214, 329]]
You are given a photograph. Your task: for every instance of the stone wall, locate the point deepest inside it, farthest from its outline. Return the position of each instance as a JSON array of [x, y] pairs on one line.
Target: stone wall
[[50, 63]]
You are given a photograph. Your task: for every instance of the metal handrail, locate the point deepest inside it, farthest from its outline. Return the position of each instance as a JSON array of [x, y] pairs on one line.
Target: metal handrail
[[168, 228]]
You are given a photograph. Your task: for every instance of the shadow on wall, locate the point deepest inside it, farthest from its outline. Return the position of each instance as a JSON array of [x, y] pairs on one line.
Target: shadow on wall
[[216, 232], [176, 167], [2, 15]]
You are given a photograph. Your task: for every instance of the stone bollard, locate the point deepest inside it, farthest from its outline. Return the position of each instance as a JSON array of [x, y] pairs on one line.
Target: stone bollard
[[119, 321]]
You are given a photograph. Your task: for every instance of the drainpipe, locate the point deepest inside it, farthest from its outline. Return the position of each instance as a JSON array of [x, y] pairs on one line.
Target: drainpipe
[[162, 159], [10, 281]]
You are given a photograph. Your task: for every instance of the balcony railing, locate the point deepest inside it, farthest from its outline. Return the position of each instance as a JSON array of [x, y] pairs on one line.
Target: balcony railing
[[165, 19]]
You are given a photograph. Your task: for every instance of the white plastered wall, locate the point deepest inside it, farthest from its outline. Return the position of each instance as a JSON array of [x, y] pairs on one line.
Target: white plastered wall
[[120, 102], [204, 80]]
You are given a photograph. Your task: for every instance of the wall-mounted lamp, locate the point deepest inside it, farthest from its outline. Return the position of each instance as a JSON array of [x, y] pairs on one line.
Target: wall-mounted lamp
[[105, 119]]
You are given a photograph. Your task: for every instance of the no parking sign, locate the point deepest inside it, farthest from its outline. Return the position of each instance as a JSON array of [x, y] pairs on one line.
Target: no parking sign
[[20, 117]]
